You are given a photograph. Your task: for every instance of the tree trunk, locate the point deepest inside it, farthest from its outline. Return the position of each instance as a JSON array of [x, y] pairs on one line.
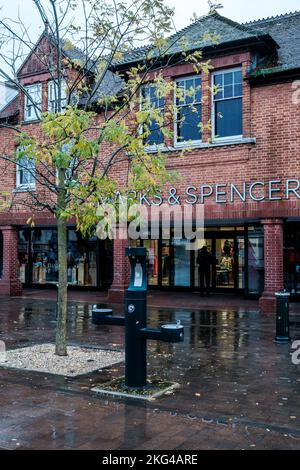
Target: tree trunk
[[62, 300]]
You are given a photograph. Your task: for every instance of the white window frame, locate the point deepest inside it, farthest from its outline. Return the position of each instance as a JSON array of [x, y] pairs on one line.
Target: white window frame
[[154, 146], [32, 105], [51, 102], [233, 138], [187, 143], [23, 186]]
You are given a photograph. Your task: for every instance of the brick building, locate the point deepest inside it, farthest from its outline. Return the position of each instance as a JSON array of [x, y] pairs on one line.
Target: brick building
[[244, 169]]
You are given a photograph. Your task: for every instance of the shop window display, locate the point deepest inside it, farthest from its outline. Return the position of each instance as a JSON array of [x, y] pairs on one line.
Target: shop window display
[[44, 256], [38, 258], [82, 260], [225, 263], [255, 260], [152, 261]]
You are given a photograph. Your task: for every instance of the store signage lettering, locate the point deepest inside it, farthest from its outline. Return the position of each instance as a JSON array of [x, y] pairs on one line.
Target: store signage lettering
[[224, 193]]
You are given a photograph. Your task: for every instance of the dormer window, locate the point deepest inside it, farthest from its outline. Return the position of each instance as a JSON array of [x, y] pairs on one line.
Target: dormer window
[[53, 96], [33, 102]]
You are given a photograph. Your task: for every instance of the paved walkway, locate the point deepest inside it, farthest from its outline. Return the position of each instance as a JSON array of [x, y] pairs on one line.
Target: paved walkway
[[239, 390], [161, 299]]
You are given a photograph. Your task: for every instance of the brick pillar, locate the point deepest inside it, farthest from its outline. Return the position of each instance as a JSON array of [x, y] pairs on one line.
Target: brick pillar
[[273, 248], [120, 283], [10, 283]]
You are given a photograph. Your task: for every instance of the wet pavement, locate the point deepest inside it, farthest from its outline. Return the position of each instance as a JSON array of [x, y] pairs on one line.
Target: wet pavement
[[239, 390]]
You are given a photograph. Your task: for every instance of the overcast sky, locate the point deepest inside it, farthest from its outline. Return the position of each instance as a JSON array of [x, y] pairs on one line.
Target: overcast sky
[[239, 10]]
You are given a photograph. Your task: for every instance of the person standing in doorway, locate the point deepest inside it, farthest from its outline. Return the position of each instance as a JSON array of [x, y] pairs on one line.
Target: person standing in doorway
[[204, 261]]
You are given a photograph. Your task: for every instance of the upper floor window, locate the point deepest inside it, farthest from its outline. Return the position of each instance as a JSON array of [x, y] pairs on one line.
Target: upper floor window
[[53, 96], [188, 110], [25, 173], [152, 100], [228, 104], [33, 102]]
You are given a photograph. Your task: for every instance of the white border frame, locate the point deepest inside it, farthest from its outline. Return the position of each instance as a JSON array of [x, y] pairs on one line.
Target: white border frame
[[64, 85], [232, 138], [36, 112], [155, 147], [186, 143], [23, 186]]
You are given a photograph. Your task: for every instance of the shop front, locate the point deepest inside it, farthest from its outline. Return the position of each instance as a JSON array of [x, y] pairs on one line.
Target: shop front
[[291, 258], [237, 255], [89, 260]]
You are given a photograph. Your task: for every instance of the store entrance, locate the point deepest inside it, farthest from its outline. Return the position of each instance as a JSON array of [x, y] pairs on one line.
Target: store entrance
[[237, 261], [227, 262]]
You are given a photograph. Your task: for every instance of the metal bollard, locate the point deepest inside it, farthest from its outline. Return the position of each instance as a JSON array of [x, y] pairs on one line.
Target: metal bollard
[[282, 317]]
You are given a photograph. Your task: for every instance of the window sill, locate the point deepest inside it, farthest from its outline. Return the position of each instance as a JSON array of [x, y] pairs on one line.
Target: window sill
[[34, 121], [220, 143], [24, 189]]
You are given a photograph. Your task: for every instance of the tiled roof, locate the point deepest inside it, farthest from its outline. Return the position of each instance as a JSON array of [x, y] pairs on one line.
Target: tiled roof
[[111, 85], [285, 29], [200, 35]]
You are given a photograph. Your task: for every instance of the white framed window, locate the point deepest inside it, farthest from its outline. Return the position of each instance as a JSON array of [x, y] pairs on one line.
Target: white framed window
[[150, 98], [188, 110], [53, 96], [227, 102], [25, 173], [33, 102]]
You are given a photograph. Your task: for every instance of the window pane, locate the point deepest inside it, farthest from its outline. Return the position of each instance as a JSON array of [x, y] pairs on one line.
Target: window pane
[[34, 98], [256, 264], [238, 77], [82, 260], [238, 90], [228, 91], [45, 256], [188, 125], [229, 120], [218, 80], [152, 261], [156, 136], [26, 170], [228, 78], [151, 99], [182, 264], [190, 91], [53, 96], [166, 262]]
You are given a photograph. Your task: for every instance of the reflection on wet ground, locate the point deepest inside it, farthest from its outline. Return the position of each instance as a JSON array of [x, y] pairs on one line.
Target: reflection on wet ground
[[238, 388]]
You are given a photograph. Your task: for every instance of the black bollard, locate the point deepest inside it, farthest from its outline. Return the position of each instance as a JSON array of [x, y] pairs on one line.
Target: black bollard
[[282, 317], [135, 321]]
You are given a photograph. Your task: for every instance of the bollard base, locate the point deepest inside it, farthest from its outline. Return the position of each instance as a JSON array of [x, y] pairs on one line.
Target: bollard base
[[154, 389]]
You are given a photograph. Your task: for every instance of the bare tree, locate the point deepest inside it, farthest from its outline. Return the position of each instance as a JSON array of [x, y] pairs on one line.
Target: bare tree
[[110, 96]]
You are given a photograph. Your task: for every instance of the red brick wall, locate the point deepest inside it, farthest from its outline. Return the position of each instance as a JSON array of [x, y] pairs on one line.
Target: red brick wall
[[9, 282], [269, 116]]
